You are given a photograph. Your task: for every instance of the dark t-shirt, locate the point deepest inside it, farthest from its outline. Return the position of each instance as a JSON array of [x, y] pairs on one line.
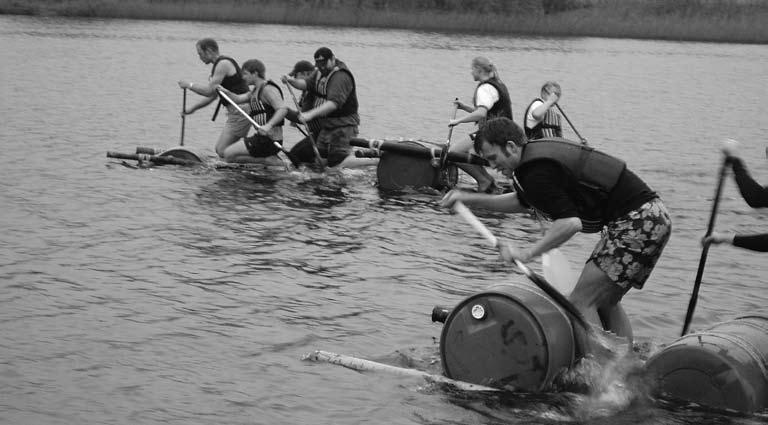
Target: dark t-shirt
[[752, 242], [552, 190], [755, 195], [338, 90]]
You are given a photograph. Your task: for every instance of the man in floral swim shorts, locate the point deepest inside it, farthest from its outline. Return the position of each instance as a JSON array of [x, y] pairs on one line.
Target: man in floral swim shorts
[[581, 190]]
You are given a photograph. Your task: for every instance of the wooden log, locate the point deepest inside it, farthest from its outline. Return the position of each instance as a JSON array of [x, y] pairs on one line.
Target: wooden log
[[368, 365], [156, 159], [417, 150]]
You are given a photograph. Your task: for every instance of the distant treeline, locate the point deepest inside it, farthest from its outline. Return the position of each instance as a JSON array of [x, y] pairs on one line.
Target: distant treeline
[[705, 20]]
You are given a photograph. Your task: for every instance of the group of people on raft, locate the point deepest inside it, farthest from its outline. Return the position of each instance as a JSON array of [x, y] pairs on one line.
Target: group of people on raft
[[577, 188]]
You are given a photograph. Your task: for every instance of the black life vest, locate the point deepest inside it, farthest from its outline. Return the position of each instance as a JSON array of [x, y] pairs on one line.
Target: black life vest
[[548, 127], [262, 112], [595, 174], [502, 107], [234, 83], [320, 92]]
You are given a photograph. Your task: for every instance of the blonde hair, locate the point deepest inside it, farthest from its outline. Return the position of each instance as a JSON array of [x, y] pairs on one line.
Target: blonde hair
[[484, 64]]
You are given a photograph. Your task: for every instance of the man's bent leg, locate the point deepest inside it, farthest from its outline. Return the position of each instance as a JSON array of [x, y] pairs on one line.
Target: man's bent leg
[[593, 290], [234, 129]]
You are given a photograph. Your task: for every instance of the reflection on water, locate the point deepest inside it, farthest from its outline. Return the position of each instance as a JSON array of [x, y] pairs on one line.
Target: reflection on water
[[181, 295]]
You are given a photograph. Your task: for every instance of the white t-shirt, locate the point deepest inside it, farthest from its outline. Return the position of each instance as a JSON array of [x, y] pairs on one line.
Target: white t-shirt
[[530, 121], [486, 96]]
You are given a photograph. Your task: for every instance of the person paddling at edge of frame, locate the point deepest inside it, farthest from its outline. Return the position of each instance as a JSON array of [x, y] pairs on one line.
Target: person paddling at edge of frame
[[268, 109], [753, 193], [225, 72], [335, 106], [540, 119], [561, 180], [302, 150], [491, 100]]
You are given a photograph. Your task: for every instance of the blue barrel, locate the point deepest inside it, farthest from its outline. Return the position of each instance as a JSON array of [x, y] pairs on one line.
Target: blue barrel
[[510, 336], [723, 366], [404, 168]]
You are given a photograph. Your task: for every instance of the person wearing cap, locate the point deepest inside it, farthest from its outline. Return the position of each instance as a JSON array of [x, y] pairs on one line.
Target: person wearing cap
[[581, 190], [541, 120], [302, 151], [267, 108], [226, 73], [491, 100], [334, 105], [753, 193]]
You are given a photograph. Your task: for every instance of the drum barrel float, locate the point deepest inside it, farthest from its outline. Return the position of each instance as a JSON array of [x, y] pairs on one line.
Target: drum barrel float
[[722, 367], [510, 336]]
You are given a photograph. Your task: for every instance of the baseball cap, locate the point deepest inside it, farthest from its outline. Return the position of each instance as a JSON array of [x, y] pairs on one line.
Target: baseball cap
[[301, 66], [323, 53]]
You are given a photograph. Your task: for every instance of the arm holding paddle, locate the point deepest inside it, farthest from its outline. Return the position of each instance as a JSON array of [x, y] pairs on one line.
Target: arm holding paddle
[[297, 83], [560, 231], [207, 90], [475, 114], [550, 100]]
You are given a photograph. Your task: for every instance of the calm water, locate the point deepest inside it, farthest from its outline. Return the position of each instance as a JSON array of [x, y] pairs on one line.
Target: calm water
[[171, 295]]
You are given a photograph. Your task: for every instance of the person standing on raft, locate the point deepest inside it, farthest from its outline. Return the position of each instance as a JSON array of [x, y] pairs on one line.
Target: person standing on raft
[[581, 190], [491, 100], [225, 72]]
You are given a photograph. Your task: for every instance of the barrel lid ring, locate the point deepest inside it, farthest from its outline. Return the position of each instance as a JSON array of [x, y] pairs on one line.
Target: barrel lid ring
[[741, 343]]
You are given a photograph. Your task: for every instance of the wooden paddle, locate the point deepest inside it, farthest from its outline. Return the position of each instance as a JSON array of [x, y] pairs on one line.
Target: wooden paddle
[[705, 249], [444, 154], [309, 131], [183, 115], [539, 281], [294, 161], [583, 140]]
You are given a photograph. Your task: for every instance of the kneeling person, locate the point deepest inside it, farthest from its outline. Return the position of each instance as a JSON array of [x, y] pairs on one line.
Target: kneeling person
[[267, 108]]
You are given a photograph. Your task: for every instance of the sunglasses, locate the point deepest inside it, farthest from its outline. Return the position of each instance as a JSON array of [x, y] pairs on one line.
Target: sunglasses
[[320, 62]]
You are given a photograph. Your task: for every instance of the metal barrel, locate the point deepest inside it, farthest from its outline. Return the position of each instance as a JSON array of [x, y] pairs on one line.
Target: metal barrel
[[722, 367], [510, 336], [412, 165]]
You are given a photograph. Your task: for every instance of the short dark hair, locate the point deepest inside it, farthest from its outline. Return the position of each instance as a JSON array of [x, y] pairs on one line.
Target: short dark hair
[[208, 44], [255, 66], [499, 131]]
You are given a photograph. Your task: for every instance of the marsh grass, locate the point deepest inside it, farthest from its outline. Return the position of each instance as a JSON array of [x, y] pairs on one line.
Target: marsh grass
[[744, 21]]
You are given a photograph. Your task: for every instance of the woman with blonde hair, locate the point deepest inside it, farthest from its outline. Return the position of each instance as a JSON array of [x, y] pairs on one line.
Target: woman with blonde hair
[[491, 100]]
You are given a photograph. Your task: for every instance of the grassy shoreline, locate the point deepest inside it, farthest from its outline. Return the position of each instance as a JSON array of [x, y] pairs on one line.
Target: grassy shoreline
[[737, 21]]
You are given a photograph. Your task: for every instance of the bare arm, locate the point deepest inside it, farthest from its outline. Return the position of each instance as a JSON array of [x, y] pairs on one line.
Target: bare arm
[[478, 114], [540, 111], [273, 98], [298, 83], [561, 230], [507, 202]]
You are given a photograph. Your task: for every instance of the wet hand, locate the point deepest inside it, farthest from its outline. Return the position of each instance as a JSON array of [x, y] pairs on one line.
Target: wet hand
[[453, 123], [717, 238], [730, 147], [510, 254], [284, 79], [264, 129], [451, 198], [185, 84]]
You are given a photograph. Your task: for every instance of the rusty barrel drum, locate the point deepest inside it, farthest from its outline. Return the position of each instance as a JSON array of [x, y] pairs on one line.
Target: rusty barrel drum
[[510, 336], [723, 366]]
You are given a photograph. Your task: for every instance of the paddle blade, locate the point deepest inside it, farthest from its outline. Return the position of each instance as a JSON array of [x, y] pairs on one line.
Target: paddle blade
[[558, 272]]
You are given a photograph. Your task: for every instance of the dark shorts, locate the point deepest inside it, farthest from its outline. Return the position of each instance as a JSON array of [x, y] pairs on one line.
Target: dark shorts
[[632, 244], [260, 146], [333, 144], [302, 151]]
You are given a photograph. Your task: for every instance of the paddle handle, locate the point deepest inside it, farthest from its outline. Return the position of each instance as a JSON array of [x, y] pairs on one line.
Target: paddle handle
[[705, 249], [183, 115], [462, 210], [306, 126], [583, 140], [539, 281]]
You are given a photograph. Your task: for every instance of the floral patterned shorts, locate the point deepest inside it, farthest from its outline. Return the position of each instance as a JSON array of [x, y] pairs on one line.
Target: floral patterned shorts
[[632, 244]]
